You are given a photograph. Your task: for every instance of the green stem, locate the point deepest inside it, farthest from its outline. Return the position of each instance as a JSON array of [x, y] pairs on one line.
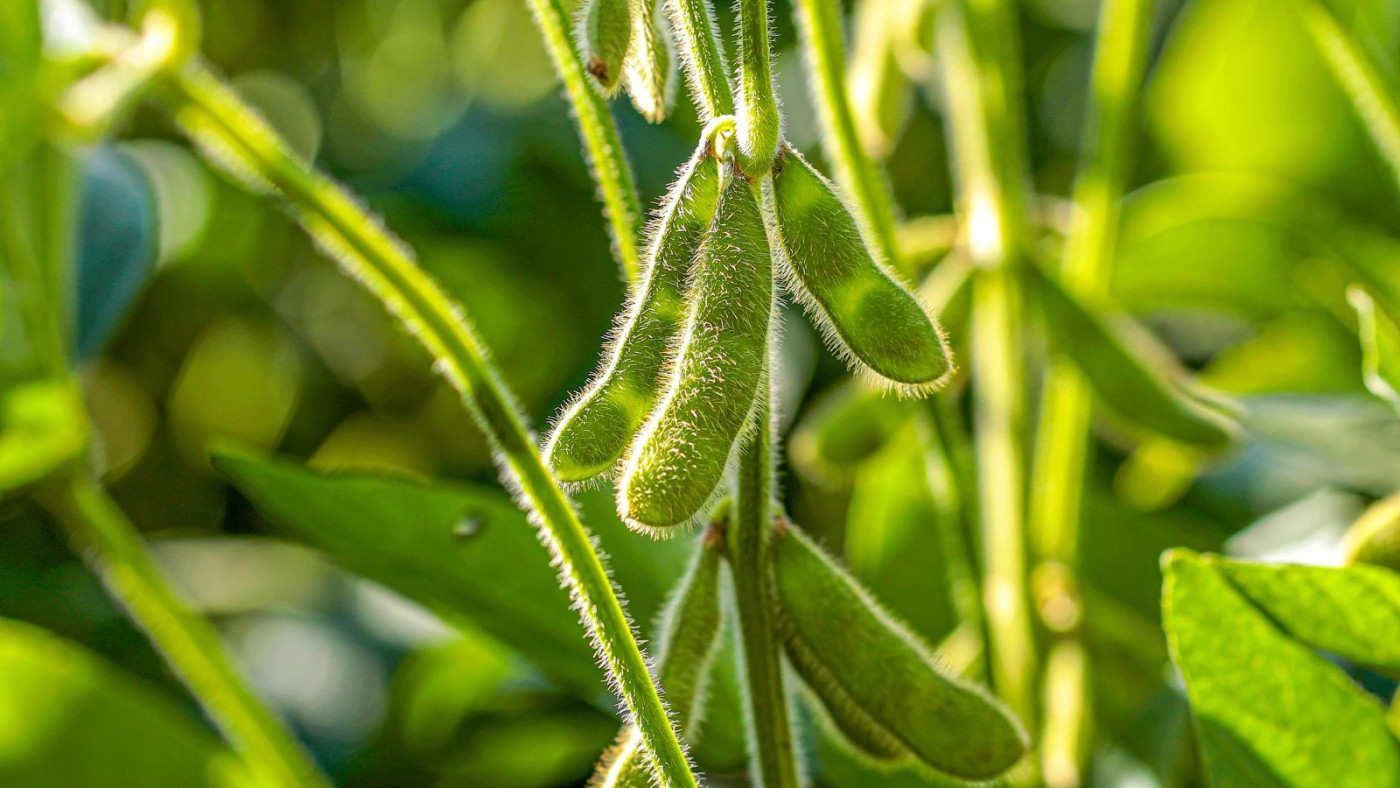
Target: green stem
[[600, 140], [820, 24], [702, 56], [759, 123], [1371, 91], [773, 755], [215, 117], [979, 43], [111, 544]]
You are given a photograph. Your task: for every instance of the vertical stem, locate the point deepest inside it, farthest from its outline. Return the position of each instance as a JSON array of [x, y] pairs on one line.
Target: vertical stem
[[820, 23], [702, 56], [228, 131], [979, 43], [773, 758], [1062, 443], [600, 141], [110, 543], [759, 123]]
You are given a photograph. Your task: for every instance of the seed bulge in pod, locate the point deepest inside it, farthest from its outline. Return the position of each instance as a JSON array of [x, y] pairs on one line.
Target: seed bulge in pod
[[605, 36]]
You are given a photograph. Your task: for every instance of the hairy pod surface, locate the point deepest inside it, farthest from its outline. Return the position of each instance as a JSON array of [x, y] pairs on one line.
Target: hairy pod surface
[[879, 683], [866, 315], [605, 37], [649, 72], [595, 429], [690, 636], [678, 459]]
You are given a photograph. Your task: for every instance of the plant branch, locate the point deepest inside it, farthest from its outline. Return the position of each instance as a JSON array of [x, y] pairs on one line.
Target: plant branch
[[112, 546], [702, 55], [233, 135], [759, 122], [600, 140], [820, 24]]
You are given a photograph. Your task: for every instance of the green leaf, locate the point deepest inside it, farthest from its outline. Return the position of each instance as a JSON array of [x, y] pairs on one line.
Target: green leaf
[[1352, 612], [1380, 345], [67, 718], [1268, 710], [1129, 375], [42, 425], [460, 551]]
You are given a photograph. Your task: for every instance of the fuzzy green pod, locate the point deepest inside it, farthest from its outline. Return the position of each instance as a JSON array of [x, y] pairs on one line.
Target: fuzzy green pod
[[678, 458], [877, 679], [690, 636], [867, 316], [1375, 537], [605, 37], [649, 73], [596, 427]]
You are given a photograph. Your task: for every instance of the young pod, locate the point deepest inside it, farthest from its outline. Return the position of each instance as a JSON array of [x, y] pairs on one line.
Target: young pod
[[649, 73], [690, 636], [596, 427], [1375, 537], [877, 679], [605, 36], [866, 315], [678, 459]]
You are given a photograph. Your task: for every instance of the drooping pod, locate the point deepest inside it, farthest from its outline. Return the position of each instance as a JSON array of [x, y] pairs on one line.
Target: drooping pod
[[596, 427], [649, 72], [605, 37], [678, 458], [880, 685], [866, 315], [690, 636]]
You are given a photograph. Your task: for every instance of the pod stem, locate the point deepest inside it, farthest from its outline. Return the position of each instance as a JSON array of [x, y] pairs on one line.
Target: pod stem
[[601, 143], [211, 113], [820, 24], [979, 44], [773, 755], [702, 55], [108, 541], [760, 123], [1062, 441]]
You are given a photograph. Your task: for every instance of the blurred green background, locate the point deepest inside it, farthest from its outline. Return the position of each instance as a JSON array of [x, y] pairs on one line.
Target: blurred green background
[[446, 116]]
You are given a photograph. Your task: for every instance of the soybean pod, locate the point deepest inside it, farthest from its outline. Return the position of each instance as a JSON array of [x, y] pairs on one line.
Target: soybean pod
[[605, 38], [880, 685], [690, 636], [596, 427], [649, 73], [679, 457], [866, 315]]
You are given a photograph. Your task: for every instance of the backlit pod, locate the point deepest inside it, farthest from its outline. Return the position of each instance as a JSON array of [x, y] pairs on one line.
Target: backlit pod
[[595, 429], [678, 459], [865, 314], [880, 685], [649, 72], [605, 37]]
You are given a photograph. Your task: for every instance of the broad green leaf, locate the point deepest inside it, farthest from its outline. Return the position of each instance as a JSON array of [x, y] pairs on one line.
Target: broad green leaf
[[460, 551], [1352, 612], [1380, 346], [42, 426], [67, 718], [1130, 376], [1268, 710]]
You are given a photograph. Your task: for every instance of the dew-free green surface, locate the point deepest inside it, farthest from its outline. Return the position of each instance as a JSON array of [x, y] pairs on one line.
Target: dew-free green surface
[[607, 36], [1268, 709]]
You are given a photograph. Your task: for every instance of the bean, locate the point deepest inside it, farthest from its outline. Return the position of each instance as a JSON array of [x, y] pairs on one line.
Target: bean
[[649, 72], [605, 36]]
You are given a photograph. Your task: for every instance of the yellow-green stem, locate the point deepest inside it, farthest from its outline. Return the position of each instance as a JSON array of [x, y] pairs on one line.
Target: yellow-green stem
[[759, 122], [214, 116], [111, 545], [600, 141], [820, 23]]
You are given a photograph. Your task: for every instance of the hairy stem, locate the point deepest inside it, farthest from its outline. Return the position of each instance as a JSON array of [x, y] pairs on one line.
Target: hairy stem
[[112, 546], [600, 141], [979, 43], [820, 23], [702, 56], [1063, 440], [228, 131], [773, 757], [759, 123]]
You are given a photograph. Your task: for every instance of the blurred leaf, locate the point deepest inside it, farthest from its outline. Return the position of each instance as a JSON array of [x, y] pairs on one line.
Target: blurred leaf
[[1130, 376], [67, 718], [117, 244], [42, 425], [1352, 612], [850, 424], [1380, 346], [20, 49], [1268, 710]]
